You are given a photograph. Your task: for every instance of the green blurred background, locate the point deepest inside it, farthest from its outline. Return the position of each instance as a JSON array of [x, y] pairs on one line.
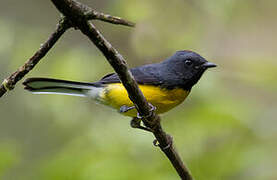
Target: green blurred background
[[226, 129]]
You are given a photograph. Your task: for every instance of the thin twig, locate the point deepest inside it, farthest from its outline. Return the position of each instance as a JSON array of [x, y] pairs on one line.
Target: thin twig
[[77, 12], [92, 14], [9, 83]]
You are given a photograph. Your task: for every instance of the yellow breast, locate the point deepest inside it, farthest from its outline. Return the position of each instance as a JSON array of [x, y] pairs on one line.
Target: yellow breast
[[116, 96]]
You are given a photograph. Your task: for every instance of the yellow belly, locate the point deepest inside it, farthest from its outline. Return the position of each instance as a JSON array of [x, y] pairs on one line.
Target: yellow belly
[[116, 96]]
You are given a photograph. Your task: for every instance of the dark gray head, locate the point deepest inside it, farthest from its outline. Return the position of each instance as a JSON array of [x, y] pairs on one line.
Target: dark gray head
[[184, 69]]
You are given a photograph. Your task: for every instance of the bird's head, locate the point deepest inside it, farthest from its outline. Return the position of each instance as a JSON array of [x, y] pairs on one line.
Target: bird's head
[[188, 66]]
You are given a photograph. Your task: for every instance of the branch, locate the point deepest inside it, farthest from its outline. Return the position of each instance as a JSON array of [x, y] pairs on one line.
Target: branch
[[9, 83], [77, 13]]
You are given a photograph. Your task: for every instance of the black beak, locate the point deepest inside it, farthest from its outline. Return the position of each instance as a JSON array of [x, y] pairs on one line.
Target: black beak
[[208, 65]]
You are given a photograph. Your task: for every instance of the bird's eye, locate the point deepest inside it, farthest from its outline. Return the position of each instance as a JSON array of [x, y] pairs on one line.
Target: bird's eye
[[188, 62]]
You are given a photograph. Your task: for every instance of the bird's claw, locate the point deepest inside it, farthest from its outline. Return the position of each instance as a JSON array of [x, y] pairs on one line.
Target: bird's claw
[[136, 123], [153, 108]]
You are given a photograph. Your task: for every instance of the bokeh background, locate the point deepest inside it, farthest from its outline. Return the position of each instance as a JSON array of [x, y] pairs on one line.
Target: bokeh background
[[226, 129]]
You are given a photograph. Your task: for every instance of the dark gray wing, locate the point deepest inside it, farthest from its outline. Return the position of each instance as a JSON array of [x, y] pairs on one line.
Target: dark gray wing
[[143, 75]]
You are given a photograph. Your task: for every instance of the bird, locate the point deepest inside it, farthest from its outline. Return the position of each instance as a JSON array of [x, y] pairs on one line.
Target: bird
[[164, 85]]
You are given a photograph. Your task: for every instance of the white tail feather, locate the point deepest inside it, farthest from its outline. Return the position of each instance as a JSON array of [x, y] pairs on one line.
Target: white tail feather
[[55, 86]]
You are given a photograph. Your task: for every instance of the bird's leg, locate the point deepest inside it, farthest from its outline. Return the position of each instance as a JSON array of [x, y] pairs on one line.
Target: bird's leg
[[124, 108], [136, 123]]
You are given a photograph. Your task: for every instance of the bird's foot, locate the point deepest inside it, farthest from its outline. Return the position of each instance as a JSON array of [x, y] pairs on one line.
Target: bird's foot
[[152, 110], [136, 123]]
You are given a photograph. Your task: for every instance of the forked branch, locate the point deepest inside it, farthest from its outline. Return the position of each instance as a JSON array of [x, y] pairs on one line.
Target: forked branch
[[9, 83]]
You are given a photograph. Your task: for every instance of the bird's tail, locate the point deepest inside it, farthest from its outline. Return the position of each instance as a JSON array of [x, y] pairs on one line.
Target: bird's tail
[[57, 86]]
